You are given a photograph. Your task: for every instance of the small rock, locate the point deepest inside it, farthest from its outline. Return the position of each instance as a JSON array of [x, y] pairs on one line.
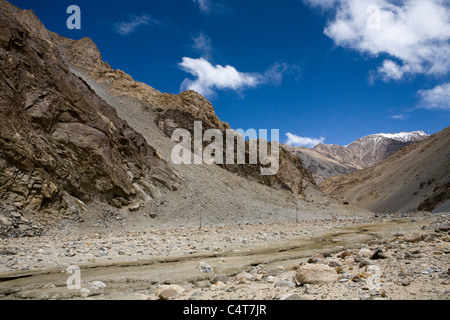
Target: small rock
[[405, 283], [409, 256], [219, 277], [205, 267], [365, 252], [309, 289], [134, 207], [344, 254], [244, 276], [85, 292], [16, 214], [334, 264], [284, 284], [167, 294], [316, 258], [97, 285], [444, 228], [378, 254], [414, 238], [102, 253], [270, 279]]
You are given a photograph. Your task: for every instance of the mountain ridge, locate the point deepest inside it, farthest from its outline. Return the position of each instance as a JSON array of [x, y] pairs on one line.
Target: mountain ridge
[[326, 161], [415, 178]]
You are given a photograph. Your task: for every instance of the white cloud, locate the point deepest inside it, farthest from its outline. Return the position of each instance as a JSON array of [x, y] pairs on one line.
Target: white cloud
[[204, 5], [126, 28], [415, 34], [275, 74], [297, 141], [210, 77], [437, 98], [202, 43], [398, 117]]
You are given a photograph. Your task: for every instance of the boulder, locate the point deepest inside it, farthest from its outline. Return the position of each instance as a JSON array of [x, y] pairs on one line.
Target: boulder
[[219, 278], [316, 274], [414, 238]]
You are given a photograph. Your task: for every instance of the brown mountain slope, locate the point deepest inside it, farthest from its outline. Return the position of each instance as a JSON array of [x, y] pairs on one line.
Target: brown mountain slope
[[172, 112], [60, 144], [320, 165], [415, 178]]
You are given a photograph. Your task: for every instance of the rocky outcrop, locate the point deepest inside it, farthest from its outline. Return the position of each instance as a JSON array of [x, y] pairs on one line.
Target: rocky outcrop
[[61, 146], [417, 177]]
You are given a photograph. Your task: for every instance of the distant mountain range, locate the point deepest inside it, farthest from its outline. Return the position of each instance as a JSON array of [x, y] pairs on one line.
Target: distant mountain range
[[416, 178], [326, 161]]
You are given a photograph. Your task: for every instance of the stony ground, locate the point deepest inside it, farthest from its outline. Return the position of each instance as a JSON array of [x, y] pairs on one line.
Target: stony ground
[[408, 261], [22, 254]]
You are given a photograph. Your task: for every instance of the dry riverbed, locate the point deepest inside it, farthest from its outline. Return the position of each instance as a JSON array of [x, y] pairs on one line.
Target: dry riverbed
[[370, 258]]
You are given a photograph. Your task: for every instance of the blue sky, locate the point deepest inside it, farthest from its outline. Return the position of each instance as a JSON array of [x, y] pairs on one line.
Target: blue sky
[[321, 70]]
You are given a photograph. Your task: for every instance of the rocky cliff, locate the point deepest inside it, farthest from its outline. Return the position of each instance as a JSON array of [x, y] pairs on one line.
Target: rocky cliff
[[61, 146]]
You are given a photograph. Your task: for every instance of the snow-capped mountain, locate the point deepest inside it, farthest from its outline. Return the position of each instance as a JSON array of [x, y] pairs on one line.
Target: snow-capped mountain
[[326, 161], [402, 136]]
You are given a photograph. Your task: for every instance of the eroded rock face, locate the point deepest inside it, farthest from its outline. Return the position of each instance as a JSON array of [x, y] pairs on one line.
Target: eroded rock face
[[59, 142]]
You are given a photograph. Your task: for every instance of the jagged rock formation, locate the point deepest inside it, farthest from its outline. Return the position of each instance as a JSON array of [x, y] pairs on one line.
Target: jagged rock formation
[[416, 178], [179, 111], [326, 161], [61, 146]]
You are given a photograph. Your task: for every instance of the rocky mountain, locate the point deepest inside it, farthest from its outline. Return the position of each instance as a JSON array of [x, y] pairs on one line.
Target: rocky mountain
[[416, 178], [62, 146], [83, 143], [171, 112], [326, 161]]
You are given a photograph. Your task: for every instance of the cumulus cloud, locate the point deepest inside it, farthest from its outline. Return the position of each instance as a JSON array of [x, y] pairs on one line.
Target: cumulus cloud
[[436, 98], [126, 28], [414, 34], [297, 141], [210, 77]]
